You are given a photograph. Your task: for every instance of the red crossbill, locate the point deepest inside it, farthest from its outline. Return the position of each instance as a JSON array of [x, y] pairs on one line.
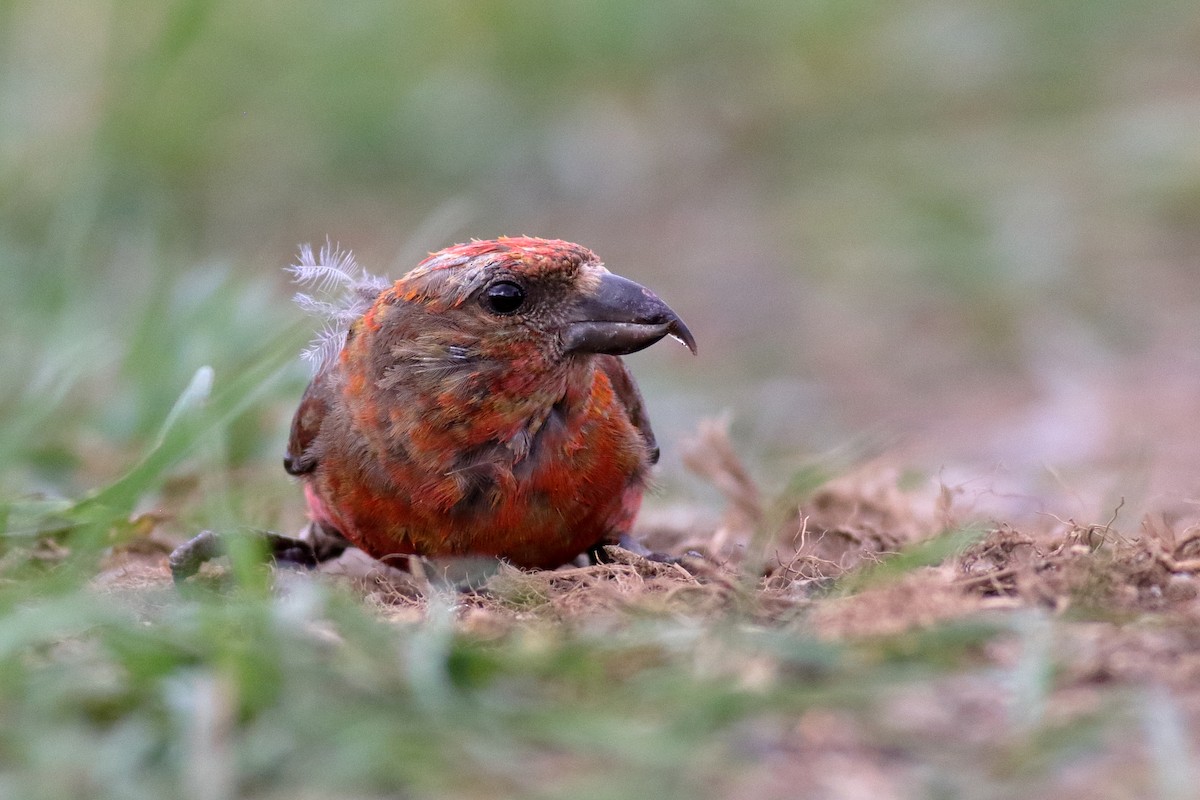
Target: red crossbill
[[480, 407]]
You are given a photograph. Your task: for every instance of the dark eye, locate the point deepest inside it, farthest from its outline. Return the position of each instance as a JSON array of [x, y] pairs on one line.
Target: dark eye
[[504, 297]]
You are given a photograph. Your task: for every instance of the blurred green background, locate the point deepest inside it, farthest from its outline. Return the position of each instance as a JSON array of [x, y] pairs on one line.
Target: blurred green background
[[968, 229], [960, 234]]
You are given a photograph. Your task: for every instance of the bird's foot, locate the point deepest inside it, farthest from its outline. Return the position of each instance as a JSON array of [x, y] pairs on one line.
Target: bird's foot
[[311, 547]]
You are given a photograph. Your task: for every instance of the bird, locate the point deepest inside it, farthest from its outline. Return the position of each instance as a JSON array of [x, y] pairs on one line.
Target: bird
[[478, 406]]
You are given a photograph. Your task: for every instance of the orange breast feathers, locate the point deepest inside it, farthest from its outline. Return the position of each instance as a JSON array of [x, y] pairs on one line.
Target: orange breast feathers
[[480, 407], [580, 484]]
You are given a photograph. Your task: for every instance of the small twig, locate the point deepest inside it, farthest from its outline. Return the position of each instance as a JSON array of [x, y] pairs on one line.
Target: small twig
[[992, 577], [1113, 518]]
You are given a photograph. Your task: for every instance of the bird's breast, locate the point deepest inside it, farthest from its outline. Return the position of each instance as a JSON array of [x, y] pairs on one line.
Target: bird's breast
[[570, 478]]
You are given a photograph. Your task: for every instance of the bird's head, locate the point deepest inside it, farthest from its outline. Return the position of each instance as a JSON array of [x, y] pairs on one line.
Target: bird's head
[[547, 294]]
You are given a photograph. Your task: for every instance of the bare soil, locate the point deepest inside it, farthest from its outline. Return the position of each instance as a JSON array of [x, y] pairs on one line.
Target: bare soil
[[1113, 613]]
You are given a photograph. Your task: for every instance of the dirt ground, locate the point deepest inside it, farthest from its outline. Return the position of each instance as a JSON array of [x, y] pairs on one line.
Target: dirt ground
[[1105, 608]]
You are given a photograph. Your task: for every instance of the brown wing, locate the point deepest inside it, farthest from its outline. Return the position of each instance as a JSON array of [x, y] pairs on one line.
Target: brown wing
[[627, 392], [301, 456]]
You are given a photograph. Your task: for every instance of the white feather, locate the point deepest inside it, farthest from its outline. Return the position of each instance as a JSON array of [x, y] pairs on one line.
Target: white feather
[[341, 291]]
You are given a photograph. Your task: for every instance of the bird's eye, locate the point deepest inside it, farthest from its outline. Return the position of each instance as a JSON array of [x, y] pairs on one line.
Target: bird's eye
[[504, 297]]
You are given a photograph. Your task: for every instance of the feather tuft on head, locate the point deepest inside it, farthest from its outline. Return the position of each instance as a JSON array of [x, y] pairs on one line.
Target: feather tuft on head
[[341, 292]]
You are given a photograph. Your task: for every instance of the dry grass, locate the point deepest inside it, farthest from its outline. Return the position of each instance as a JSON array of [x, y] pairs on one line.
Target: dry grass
[[1080, 614], [790, 558]]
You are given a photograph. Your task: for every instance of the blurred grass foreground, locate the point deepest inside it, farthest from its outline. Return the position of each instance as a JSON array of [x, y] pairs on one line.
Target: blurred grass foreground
[[965, 232]]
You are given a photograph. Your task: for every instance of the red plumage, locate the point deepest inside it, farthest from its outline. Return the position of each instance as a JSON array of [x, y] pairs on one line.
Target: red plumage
[[479, 407]]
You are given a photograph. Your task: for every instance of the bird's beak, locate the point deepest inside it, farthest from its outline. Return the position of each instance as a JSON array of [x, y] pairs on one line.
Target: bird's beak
[[620, 317]]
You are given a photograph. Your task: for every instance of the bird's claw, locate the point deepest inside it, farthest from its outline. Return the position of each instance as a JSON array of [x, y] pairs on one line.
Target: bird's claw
[[313, 546], [186, 560]]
